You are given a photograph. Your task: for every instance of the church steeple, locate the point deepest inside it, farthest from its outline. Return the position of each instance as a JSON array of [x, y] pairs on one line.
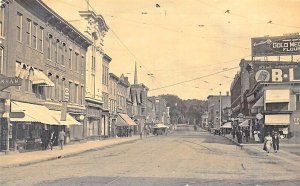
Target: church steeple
[[135, 75]]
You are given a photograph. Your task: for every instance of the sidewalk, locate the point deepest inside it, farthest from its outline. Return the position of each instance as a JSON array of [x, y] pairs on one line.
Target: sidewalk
[[20, 159], [286, 151]]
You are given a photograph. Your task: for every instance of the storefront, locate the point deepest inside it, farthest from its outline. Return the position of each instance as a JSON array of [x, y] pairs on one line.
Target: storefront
[[124, 125], [26, 131]]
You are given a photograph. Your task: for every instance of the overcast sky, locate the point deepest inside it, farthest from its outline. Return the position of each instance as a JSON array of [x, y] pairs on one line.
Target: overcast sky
[[180, 40]]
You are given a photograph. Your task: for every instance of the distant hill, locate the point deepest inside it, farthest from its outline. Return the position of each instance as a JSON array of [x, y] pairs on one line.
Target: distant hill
[[185, 111]]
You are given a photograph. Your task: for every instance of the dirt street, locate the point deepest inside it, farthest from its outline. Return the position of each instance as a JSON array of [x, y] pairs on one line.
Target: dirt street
[[183, 158]]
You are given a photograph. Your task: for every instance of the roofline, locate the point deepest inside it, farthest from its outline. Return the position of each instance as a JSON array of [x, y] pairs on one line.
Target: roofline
[[47, 8], [105, 56]]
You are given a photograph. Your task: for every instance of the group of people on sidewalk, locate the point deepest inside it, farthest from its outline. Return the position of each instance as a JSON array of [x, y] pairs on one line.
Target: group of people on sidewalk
[[270, 141], [49, 138], [242, 134]]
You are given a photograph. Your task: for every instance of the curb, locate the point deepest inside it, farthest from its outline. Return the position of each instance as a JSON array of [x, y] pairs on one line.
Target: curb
[[67, 155]]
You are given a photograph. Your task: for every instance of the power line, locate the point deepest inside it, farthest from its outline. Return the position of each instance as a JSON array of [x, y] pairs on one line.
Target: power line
[[186, 81]]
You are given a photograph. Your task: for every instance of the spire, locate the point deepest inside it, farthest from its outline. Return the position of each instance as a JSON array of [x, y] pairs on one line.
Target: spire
[[135, 75]]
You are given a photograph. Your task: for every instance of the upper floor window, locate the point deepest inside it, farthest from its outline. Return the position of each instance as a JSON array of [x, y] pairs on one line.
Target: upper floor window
[[277, 106], [1, 21], [19, 26], [55, 48], [41, 39], [70, 58], [49, 46], [34, 35], [76, 62], [1, 61], [28, 32], [297, 101], [63, 50], [82, 65]]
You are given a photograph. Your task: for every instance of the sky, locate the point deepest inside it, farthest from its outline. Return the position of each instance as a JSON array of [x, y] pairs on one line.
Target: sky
[[190, 48]]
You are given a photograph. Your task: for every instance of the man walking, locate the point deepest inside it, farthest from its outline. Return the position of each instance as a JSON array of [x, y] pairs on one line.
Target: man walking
[[61, 138], [276, 141]]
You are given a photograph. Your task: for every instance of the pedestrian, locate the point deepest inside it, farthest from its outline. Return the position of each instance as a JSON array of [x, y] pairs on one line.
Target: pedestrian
[[141, 135], [276, 141], [45, 139], [268, 143], [233, 134], [61, 138], [52, 139], [256, 136], [247, 133]]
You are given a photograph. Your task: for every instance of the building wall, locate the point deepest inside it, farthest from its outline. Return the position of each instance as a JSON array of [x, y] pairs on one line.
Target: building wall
[[214, 109]]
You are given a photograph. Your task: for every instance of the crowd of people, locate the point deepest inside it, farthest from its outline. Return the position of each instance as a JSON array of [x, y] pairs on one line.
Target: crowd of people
[[49, 138]]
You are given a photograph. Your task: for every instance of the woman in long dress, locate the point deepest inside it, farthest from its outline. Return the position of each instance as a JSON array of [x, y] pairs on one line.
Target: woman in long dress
[[268, 143]]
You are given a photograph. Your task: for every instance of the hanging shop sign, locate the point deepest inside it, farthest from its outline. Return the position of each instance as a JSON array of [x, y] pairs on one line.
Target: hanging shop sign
[[6, 82], [276, 46]]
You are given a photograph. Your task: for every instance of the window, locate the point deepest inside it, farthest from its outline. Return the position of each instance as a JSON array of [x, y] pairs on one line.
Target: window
[[277, 106], [1, 61], [49, 47], [82, 95], [297, 101], [93, 85], [71, 93], [1, 21], [34, 35], [63, 54], [76, 62], [76, 96], [19, 26], [28, 32], [55, 47], [82, 65], [41, 39], [70, 58]]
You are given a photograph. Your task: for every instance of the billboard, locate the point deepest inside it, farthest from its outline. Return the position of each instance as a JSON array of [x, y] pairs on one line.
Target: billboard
[[276, 72], [275, 46]]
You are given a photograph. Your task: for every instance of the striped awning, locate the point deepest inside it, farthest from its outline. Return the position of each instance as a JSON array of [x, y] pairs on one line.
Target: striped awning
[[33, 113], [69, 119]]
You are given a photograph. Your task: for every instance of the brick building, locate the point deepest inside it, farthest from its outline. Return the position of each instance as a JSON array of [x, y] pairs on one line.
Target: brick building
[[49, 55]]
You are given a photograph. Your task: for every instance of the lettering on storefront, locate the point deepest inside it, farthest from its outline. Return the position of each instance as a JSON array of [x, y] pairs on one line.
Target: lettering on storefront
[[296, 120]]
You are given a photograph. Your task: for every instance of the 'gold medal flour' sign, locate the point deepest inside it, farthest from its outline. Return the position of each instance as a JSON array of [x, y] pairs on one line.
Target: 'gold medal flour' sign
[[275, 46]]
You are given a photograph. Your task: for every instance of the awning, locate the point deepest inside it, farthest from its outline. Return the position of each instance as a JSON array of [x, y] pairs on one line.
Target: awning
[[36, 76], [277, 96], [124, 120], [259, 103], [69, 119], [159, 126], [121, 122], [244, 123], [39, 78], [227, 125], [277, 119], [33, 113], [127, 119]]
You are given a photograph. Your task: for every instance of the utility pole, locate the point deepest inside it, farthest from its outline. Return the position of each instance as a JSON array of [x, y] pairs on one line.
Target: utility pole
[[220, 109]]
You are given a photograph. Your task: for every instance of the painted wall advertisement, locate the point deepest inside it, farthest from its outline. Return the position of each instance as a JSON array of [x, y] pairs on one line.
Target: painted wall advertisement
[[275, 46], [273, 72]]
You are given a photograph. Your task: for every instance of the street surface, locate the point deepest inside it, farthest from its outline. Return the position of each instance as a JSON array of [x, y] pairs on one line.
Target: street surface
[[183, 158]]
